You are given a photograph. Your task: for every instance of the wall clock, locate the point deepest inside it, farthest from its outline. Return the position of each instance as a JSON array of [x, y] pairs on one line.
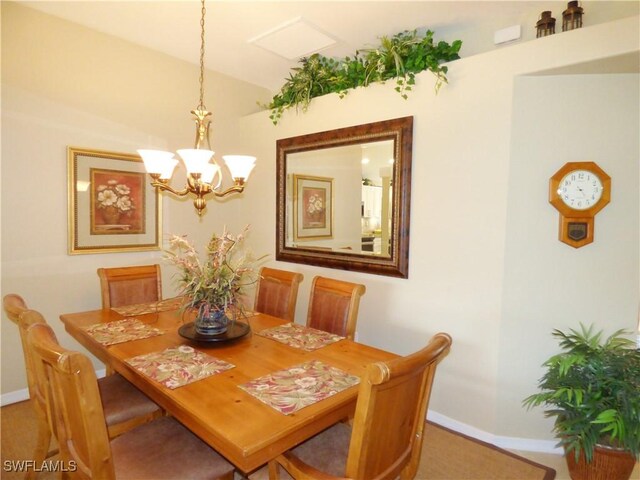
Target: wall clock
[[578, 191]]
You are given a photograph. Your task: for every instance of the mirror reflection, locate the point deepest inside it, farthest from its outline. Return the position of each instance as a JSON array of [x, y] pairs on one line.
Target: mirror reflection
[[341, 198], [344, 197]]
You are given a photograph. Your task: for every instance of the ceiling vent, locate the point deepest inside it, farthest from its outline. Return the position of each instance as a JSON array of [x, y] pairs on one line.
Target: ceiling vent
[[294, 39]]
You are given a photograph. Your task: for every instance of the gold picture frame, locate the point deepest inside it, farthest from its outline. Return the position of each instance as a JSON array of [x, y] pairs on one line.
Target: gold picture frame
[[111, 206], [312, 207]]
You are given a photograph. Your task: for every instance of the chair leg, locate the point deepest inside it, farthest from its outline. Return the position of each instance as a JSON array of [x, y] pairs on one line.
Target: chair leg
[[274, 471]]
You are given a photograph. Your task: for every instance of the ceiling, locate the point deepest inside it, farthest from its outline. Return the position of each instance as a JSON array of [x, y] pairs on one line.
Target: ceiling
[[172, 27]]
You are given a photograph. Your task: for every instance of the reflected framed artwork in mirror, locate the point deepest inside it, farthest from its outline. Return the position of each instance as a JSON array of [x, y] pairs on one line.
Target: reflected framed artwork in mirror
[[312, 208], [343, 198]]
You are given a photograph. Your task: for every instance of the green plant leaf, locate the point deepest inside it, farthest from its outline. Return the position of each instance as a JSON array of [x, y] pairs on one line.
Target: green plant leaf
[[591, 389], [398, 57]]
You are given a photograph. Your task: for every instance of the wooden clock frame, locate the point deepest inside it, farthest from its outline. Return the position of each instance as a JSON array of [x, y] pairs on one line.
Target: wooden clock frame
[[576, 227]]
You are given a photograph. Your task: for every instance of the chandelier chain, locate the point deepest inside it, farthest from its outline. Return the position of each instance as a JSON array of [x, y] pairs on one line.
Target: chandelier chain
[[201, 104]]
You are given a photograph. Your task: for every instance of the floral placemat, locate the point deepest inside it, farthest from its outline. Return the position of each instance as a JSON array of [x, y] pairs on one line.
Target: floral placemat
[[122, 331], [297, 387], [300, 336], [178, 366], [152, 307]]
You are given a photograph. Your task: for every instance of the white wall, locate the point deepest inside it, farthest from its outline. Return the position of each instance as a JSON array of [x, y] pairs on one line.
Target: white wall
[[63, 85], [467, 273]]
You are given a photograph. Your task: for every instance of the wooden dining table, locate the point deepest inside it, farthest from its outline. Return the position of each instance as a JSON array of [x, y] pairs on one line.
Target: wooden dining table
[[245, 430]]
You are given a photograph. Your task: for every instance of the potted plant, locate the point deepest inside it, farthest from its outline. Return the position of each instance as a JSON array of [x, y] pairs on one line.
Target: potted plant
[[592, 388], [214, 286]]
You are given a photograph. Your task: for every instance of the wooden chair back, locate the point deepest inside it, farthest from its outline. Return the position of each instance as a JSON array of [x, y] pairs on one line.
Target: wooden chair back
[[277, 293], [333, 306], [15, 308], [130, 285], [74, 401], [386, 438]]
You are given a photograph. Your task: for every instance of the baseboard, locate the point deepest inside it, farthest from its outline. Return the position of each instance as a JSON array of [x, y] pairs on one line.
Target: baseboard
[[14, 397], [22, 395], [508, 443]]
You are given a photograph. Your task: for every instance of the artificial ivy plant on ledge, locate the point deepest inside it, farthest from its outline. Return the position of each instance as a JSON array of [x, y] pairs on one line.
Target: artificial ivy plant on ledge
[[399, 57]]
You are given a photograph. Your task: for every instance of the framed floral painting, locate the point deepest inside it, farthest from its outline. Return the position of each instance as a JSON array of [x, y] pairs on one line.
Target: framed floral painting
[[312, 207], [112, 207]]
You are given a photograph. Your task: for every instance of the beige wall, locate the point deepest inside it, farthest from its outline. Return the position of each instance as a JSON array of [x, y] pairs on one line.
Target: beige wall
[[467, 272], [63, 84], [548, 284], [485, 262]]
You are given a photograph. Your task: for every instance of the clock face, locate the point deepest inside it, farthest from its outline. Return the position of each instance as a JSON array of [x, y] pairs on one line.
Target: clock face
[[580, 189]]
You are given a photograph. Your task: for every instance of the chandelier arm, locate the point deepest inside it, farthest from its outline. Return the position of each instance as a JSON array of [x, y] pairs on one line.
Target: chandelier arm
[[230, 190], [168, 188]]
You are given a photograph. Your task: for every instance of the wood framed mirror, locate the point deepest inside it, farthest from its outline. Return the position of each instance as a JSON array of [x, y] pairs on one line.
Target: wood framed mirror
[[344, 197]]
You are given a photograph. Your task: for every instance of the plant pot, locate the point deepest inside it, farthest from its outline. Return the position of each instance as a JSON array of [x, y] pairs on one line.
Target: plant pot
[[607, 464], [211, 320]]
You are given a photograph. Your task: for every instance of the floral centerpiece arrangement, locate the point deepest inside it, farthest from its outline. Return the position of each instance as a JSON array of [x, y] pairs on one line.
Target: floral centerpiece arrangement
[[214, 286]]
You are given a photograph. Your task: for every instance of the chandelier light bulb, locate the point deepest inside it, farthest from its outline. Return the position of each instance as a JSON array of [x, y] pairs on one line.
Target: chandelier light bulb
[[168, 169], [209, 173], [195, 160], [240, 166], [156, 161]]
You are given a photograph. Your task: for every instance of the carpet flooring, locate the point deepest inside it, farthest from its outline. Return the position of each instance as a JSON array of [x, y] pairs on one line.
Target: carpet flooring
[[447, 455]]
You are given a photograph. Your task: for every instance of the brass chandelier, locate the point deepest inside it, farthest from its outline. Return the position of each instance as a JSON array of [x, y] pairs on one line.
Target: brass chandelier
[[204, 175]]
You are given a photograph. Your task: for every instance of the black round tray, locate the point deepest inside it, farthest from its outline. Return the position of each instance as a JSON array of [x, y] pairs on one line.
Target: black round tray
[[235, 331]]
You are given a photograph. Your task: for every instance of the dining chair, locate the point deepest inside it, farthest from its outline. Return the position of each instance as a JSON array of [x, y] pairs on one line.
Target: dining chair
[[386, 438], [161, 449], [14, 306], [121, 286], [125, 407], [333, 306], [130, 285], [277, 293]]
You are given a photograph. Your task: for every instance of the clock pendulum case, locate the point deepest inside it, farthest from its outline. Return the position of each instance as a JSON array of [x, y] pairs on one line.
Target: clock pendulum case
[[578, 191]]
